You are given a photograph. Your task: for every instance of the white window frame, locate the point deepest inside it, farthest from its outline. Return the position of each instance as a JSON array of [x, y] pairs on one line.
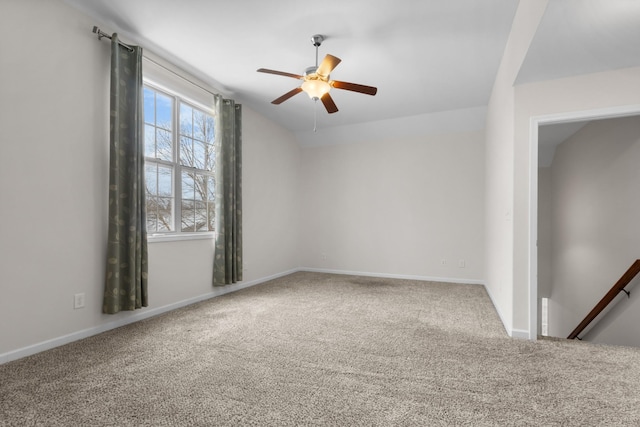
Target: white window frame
[[177, 168]]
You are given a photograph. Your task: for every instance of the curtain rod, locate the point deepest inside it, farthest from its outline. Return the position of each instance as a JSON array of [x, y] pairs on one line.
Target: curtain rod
[[180, 76], [102, 34]]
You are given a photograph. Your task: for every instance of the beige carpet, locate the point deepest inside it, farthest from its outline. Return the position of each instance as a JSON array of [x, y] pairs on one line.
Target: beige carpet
[[317, 349]]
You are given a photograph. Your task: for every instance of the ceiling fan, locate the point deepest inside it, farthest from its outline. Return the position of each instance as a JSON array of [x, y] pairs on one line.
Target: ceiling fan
[[316, 82]]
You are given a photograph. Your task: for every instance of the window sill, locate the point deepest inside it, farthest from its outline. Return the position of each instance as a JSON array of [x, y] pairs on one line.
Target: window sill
[[175, 237]]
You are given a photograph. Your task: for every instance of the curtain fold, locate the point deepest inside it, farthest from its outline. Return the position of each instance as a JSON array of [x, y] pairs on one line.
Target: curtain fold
[[126, 273], [227, 264]]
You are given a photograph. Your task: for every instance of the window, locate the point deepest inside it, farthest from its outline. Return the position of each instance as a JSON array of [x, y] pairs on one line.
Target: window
[[179, 164]]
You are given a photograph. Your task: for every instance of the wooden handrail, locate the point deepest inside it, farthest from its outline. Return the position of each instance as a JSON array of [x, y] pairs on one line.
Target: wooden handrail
[[613, 292]]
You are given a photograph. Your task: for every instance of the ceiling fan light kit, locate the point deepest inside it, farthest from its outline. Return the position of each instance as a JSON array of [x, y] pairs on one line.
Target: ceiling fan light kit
[[316, 82], [315, 88]]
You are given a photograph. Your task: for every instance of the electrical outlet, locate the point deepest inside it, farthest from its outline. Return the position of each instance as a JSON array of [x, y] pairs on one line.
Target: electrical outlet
[[78, 301], [324, 256], [443, 261], [461, 263]]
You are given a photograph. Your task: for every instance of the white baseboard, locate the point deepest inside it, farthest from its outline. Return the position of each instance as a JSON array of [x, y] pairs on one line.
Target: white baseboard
[[520, 334], [396, 276], [132, 317], [222, 290], [513, 333]]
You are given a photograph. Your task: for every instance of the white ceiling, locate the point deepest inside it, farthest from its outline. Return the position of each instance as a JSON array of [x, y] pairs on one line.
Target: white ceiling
[[581, 37], [423, 56]]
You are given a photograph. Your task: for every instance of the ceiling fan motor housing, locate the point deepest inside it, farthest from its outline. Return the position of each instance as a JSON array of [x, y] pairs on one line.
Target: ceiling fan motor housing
[[311, 73]]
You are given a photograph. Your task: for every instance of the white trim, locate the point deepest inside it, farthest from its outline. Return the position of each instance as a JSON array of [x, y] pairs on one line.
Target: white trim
[[533, 232], [135, 317], [519, 334], [544, 316], [177, 83], [174, 237], [395, 276], [535, 122], [513, 333]]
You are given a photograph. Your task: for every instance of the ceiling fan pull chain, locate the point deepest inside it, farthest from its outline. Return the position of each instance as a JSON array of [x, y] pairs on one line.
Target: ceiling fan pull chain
[[315, 115]]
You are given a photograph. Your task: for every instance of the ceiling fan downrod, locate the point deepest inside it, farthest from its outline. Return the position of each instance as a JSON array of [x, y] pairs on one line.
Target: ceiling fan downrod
[[317, 40]]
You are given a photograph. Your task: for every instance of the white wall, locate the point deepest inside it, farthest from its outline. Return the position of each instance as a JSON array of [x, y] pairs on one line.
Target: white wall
[[591, 95], [395, 206], [54, 166], [594, 220], [271, 166], [500, 167], [512, 168], [53, 171]]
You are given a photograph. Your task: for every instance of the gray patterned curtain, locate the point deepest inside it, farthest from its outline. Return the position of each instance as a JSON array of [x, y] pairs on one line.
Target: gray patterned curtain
[[126, 275], [227, 263]]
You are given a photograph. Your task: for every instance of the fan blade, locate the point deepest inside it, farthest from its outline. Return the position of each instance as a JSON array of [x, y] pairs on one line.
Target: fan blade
[[279, 73], [287, 96], [328, 103], [369, 90], [327, 65]]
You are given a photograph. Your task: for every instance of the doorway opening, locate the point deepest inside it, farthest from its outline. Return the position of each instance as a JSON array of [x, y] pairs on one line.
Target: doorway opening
[[534, 156]]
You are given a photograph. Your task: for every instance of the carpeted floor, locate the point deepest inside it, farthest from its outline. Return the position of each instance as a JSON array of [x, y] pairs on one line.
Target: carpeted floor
[[319, 349]]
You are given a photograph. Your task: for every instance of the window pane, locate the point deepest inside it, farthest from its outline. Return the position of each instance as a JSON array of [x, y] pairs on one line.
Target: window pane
[[186, 120], [211, 189], [210, 157], [199, 125], [199, 152], [149, 141], [150, 179], [186, 151], [188, 220], [164, 181], [196, 133], [163, 111], [188, 186], [212, 214], [151, 222], [149, 106], [209, 135], [164, 145], [202, 223], [152, 209], [200, 182], [165, 214]]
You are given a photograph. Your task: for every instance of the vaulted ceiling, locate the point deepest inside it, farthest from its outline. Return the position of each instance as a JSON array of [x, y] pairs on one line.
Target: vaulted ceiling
[[423, 56]]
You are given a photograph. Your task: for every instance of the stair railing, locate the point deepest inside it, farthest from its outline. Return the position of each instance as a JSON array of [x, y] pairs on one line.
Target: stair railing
[[626, 278]]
